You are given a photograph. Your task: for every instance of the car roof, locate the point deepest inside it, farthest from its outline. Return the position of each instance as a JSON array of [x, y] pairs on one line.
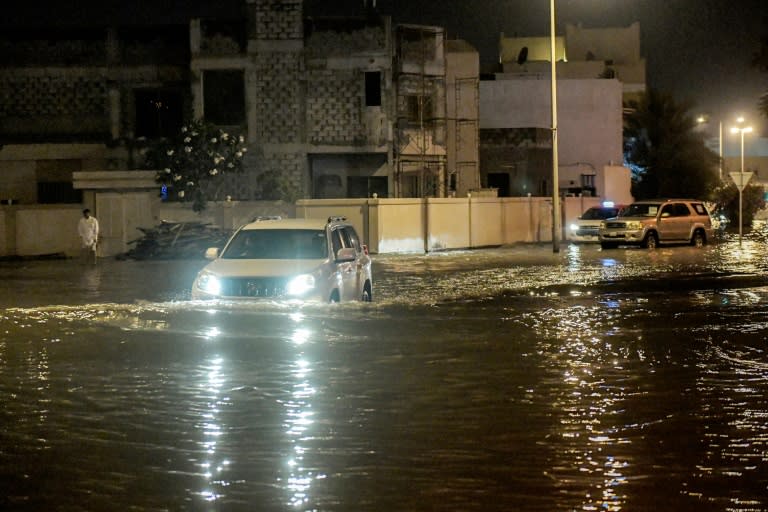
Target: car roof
[[279, 223], [667, 200]]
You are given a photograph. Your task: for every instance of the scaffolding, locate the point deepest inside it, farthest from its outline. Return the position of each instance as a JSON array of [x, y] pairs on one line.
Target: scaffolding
[[463, 167], [420, 143]]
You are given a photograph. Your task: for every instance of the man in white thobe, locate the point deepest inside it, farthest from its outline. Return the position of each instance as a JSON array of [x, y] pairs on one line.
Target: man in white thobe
[[88, 229]]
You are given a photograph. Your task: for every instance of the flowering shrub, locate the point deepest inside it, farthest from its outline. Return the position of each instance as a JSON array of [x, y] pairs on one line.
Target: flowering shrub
[[193, 164]]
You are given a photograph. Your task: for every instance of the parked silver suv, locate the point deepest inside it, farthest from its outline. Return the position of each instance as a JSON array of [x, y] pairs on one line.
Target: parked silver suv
[[662, 221]]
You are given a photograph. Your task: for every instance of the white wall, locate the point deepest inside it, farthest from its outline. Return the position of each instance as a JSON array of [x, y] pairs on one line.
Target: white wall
[[589, 115]]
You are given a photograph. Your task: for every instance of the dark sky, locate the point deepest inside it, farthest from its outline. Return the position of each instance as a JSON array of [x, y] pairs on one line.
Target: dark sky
[[698, 50]]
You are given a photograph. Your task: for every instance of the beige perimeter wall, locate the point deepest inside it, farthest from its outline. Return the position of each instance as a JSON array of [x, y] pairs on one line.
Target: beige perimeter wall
[[386, 225]]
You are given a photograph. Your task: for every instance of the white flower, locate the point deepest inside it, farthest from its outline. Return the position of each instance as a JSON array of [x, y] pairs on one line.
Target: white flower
[[244, 150], [213, 172], [214, 140], [241, 139], [187, 139], [181, 193], [190, 183], [183, 129], [230, 165], [169, 152], [217, 159], [224, 136], [187, 149], [177, 177], [167, 170], [238, 154], [194, 134]]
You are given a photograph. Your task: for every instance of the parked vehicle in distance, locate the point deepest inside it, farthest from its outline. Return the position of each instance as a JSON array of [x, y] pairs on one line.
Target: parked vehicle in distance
[[307, 259], [587, 226], [654, 222]]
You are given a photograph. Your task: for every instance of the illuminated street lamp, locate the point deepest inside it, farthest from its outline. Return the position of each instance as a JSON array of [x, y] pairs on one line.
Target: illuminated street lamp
[[555, 177], [741, 178]]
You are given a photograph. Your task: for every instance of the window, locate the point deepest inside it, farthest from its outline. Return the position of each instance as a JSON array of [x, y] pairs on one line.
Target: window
[[349, 238], [372, 88], [52, 192], [158, 113], [588, 180], [336, 241], [419, 108], [362, 186], [224, 97]]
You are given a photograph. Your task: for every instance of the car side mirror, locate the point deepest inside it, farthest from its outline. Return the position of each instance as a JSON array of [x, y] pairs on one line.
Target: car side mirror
[[346, 254], [212, 253]]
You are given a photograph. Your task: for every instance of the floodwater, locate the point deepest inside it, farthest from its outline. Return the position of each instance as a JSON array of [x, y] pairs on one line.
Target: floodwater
[[510, 379]]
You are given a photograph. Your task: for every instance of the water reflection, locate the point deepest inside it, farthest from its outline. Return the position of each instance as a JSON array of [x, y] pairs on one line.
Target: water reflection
[[589, 465], [299, 420], [213, 465]]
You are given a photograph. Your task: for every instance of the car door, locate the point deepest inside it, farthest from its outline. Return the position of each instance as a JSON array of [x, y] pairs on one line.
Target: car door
[[674, 222], [361, 260]]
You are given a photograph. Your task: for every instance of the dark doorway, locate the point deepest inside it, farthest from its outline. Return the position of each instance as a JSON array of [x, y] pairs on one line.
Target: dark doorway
[[500, 181], [366, 186]]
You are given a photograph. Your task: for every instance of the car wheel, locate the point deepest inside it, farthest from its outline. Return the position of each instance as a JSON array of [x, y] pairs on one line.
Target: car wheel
[[698, 239], [367, 296], [608, 245], [651, 241]]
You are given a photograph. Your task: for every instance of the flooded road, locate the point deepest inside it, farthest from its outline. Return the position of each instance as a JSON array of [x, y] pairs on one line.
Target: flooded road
[[501, 379]]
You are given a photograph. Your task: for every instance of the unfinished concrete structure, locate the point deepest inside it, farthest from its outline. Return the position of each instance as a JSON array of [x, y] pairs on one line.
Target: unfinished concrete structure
[[331, 107]]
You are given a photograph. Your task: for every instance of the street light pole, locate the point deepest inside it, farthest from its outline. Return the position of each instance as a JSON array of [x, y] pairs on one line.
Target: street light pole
[[740, 185], [720, 149], [555, 177]]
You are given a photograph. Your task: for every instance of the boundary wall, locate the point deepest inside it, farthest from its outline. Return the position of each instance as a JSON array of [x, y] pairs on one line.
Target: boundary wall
[[386, 225]]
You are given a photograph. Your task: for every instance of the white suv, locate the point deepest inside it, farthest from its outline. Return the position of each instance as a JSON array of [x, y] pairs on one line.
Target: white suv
[[308, 259], [650, 223]]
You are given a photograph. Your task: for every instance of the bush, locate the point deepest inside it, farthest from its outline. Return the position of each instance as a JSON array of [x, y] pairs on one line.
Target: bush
[[193, 164], [752, 199]]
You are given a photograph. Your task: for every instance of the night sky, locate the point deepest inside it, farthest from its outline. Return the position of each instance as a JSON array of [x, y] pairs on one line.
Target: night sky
[[698, 50]]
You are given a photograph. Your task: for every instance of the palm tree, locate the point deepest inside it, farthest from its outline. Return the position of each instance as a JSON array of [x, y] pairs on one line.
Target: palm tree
[[667, 155]]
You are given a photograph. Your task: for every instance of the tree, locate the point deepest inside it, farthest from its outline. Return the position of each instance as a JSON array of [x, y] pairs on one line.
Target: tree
[[760, 61], [667, 155], [195, 163], [727, 200]]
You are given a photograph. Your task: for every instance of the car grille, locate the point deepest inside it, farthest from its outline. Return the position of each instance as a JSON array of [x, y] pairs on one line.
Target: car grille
[[254, 287], [615, 225], [587, 231]]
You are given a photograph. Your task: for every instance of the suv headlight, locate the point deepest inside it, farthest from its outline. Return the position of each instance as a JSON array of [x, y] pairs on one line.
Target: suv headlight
[[634, 225], [574, 227], [301, 284], [209, 283]]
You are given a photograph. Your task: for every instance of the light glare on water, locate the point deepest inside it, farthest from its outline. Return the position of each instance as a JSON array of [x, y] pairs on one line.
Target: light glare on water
[[509, 379]]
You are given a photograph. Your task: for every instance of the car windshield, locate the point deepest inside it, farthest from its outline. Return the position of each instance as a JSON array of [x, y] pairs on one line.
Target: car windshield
[[277, 244], [600, 213], [641, 210]]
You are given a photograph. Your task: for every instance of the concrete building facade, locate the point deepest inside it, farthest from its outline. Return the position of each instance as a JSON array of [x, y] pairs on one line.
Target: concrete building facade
[[331, 108], [597, 71]]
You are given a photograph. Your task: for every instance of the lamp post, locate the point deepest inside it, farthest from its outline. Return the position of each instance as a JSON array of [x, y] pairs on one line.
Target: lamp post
[[742, 181], [555, 177]]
